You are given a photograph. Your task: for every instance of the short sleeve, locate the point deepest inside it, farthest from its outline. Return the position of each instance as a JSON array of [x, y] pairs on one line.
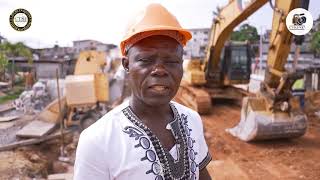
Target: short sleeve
[[204, 154], [89, 163]]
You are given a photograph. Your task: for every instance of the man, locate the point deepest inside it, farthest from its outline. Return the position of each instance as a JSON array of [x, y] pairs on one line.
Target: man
[[149, 136], [299, 90], [29, 80]]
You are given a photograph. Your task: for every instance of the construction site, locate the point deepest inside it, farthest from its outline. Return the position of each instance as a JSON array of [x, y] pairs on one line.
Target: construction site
[[254, 124]]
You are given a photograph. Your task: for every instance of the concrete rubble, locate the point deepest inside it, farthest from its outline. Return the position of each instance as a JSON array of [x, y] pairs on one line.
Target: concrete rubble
[[38, 97], [34, 100]]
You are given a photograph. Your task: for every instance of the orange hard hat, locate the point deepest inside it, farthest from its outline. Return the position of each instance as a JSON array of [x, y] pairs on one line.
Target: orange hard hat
[[154, 20]]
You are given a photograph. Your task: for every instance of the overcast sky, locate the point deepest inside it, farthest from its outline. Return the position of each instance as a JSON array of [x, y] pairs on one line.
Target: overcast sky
[[64, 21]]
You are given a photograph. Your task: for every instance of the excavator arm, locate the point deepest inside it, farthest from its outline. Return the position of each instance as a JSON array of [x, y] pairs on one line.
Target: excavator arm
[[270, 114], [227, 19], [213, 78]]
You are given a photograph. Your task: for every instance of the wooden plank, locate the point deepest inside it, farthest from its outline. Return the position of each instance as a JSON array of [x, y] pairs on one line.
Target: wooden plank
[[51, 112], [6, 107], [36, 129], [32, 141], [4, 84], [6, 125], [8, 118]]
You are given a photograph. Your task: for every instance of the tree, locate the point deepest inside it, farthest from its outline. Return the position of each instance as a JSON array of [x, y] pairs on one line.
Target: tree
[[246, 32], [16, 50], [3, 65], [8, 50], [315, 43], [315, 39]]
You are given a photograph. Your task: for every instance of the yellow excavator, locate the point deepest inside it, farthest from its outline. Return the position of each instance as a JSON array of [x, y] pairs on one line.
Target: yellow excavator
[[268, 114], [226, 63]]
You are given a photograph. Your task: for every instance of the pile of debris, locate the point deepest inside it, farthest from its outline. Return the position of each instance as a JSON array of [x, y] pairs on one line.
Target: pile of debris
[[34, 100]]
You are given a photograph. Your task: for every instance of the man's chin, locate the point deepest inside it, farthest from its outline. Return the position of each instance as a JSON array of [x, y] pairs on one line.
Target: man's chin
[[157, 101]]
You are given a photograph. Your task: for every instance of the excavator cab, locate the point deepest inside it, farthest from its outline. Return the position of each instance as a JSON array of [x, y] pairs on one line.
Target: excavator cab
[[236, 63]]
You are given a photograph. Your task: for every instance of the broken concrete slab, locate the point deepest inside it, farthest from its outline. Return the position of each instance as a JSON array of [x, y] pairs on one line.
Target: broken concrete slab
[[32, 141], [6, 107], [36, 129], [8, 118], [6, 125]]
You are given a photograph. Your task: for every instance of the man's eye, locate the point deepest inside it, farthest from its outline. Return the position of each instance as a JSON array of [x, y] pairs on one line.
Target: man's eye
[[144, 60], [172, 62]]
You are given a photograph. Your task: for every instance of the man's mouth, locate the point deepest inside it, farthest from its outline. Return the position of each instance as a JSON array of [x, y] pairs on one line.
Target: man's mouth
[[159, 88]]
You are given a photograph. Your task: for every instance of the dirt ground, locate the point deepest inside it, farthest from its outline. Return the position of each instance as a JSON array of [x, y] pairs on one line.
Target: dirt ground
[[233, 159], [277, 159], [37, 161]]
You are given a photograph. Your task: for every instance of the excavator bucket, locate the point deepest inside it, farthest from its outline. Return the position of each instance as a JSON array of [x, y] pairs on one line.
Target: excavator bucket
[[258, 124]]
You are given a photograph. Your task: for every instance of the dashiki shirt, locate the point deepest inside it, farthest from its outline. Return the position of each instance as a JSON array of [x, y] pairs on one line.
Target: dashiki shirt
[[119, 146]]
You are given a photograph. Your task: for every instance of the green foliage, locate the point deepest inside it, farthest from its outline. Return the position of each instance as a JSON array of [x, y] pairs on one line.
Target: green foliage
[[16, 50], [246, 32], [14, 94], [3, 61], [315, 39], [7, 50], [315, 43]]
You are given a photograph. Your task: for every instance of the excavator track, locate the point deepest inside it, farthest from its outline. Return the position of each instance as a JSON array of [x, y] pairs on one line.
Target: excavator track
[[194, 98]]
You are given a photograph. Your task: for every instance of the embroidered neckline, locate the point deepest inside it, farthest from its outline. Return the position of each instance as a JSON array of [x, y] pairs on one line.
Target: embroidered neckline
[[172, 169]]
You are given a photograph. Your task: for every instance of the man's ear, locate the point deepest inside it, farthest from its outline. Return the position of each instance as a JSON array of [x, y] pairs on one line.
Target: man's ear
[[125, 62]]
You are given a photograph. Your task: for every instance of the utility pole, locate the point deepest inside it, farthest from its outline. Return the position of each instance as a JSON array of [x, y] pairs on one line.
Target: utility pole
[[12, 73], [260, 50]]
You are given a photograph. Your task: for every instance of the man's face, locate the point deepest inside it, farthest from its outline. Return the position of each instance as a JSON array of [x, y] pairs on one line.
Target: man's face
[[155, 69]]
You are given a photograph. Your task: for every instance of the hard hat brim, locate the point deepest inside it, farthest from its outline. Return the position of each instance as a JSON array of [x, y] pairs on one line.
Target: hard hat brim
[[185, 33]]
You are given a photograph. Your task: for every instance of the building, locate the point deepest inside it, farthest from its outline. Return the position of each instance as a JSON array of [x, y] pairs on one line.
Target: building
[[43, 68], [52, 54], [305, 60], [316, 24], [91, 45], [306, 57], [47, 60], [196, 47], [2, 39]]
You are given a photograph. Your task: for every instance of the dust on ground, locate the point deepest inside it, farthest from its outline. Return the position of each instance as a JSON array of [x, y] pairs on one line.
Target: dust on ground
[[277, 159]]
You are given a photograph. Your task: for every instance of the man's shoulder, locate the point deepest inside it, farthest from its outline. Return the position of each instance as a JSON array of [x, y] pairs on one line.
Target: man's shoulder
[[107, 124]]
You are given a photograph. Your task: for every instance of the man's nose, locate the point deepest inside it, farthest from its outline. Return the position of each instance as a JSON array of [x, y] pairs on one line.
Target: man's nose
[[159, 70]]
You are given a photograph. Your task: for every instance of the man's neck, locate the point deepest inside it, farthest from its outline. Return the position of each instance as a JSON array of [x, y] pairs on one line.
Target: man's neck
[[150, 114]]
